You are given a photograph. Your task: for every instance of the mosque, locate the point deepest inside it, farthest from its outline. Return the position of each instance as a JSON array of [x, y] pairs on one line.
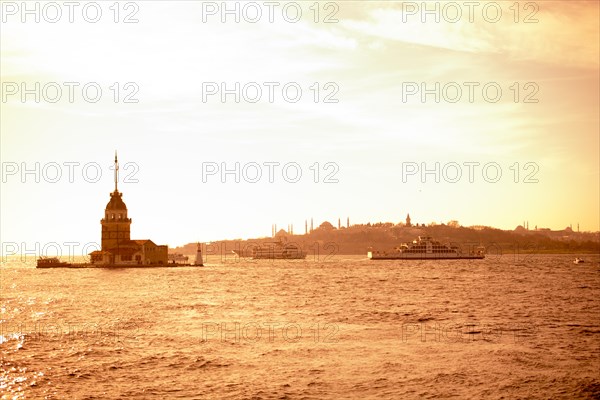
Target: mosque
[[117, 248]]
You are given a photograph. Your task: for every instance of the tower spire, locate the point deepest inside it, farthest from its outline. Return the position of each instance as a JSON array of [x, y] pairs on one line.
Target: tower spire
[[116, 171]]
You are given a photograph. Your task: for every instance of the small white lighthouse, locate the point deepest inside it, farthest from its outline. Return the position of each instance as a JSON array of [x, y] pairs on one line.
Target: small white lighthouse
[[199, 262]]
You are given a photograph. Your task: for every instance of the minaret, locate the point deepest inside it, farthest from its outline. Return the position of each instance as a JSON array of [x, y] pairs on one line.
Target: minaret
[[116, 227], [339, 223], [347, 222]]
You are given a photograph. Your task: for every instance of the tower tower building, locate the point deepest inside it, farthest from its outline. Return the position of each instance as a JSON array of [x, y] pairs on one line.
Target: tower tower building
[[116, 227], [117, 248]]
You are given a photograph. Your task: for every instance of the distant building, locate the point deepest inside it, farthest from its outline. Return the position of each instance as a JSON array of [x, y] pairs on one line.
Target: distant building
[[520, 229], [408, 220], [478, 227], [282, 234], [326, 226], [117, 248]]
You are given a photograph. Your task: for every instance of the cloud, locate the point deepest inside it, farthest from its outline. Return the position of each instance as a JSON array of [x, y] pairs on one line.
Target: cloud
[[552, 34]]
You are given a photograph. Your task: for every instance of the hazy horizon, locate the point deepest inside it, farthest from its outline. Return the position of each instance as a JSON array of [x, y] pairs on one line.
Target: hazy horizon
[[527, 154]]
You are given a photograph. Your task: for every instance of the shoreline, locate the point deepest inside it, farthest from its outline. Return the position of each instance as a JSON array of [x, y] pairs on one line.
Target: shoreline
[[115, 266]]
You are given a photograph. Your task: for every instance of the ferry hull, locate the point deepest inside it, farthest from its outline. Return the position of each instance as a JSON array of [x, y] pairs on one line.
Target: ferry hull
[[401, 256], [279, 257], [271, 256]]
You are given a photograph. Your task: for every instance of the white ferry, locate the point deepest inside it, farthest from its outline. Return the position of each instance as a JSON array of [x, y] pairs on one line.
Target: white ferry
[[425, 248], [272, 251]]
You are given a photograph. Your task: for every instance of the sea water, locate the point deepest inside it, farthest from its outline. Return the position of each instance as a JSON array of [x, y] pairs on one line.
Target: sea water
[[343, 327]]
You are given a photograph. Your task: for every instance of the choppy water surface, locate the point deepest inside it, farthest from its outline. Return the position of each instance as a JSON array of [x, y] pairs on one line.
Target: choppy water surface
[[341, 328]]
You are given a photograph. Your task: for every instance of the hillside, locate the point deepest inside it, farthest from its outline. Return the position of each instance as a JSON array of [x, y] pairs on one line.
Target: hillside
[[356, 239]]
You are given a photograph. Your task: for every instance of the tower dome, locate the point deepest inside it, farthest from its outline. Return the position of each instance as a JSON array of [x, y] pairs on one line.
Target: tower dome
[[116, 202]]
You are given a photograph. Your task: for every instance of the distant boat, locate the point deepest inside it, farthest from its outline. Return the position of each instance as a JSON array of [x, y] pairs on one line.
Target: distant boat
[[177, 258], [425, 248], [51, 262], [578, 260]]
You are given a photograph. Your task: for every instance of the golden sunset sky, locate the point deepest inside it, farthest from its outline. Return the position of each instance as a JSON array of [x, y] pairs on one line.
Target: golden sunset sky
[[544, 55]]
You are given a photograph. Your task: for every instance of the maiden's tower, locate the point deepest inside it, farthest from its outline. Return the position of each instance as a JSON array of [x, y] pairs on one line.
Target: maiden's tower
[[117, 248]]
